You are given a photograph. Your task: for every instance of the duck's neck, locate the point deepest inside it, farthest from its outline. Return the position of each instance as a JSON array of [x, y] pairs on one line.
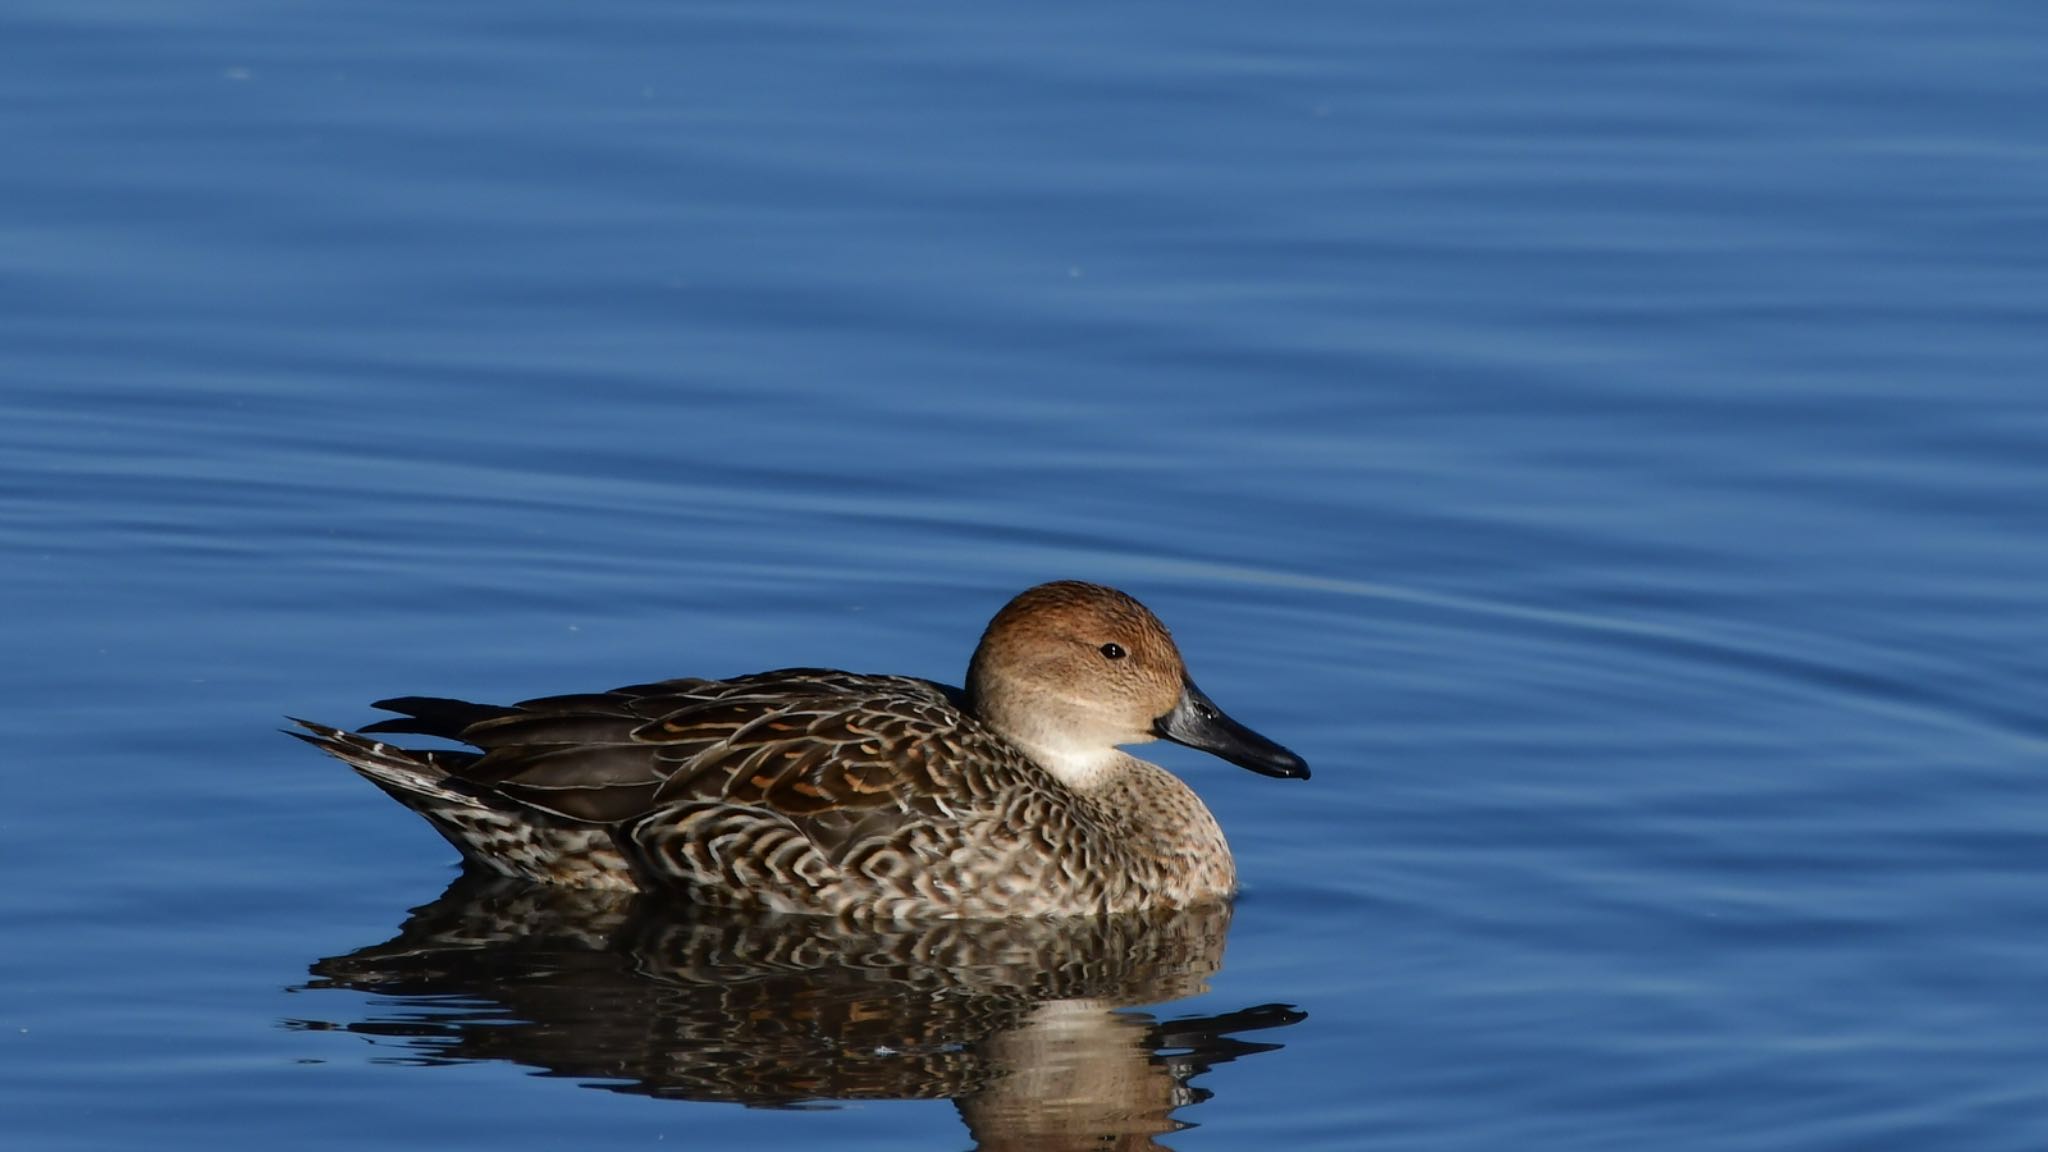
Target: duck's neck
[[1082, 769], [1081, 756]]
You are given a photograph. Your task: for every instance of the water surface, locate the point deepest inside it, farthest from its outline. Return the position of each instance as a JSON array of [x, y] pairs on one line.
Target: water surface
[[1606, 441]]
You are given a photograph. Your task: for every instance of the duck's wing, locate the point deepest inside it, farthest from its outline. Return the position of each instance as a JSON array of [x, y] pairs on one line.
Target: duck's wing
[[822, 748]]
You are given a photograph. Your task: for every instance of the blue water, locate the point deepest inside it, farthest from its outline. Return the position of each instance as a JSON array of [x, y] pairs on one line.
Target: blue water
[[1608, 441]]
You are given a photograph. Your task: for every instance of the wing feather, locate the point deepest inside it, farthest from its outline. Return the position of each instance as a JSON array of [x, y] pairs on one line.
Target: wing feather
[[801, 743]]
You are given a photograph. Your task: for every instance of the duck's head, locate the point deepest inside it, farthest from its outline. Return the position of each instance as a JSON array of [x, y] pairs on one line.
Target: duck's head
[[1068, 671]]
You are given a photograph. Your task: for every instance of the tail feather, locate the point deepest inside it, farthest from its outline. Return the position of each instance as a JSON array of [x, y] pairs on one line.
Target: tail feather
[[435, 716], [489, 828], [406, 773]]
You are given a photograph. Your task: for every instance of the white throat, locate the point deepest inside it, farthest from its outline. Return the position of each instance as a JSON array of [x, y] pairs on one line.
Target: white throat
[[1081, 769]]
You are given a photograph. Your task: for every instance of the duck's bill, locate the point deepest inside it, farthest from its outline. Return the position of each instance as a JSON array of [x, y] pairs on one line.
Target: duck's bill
[[1198, 723]]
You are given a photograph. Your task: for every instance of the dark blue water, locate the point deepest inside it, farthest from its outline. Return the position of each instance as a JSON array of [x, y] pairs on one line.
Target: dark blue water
[[1607, 440]]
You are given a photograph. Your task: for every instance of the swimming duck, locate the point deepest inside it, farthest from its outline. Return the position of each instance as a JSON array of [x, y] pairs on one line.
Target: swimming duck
[[866, 796]]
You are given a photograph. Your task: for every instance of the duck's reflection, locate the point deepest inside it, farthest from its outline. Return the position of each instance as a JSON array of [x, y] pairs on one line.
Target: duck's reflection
[[1025, 1025]]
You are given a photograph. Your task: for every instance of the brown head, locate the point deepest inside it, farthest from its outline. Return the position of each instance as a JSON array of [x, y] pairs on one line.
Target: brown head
[[1068, 671]]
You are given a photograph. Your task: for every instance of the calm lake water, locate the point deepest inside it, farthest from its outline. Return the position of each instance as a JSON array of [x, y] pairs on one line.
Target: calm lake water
[[1608, 441]]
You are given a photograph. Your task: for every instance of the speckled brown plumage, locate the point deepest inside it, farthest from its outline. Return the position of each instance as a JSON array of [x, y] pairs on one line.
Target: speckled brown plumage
[[808, 790]]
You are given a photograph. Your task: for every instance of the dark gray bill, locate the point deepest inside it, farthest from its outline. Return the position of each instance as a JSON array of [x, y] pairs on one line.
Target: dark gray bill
[[1198, 723]]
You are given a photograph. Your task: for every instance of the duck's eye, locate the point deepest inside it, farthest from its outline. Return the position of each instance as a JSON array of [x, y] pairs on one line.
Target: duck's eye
[[1113, 650]]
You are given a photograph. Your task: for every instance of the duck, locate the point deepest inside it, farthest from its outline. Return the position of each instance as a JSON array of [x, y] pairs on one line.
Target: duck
[[859, 796]]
